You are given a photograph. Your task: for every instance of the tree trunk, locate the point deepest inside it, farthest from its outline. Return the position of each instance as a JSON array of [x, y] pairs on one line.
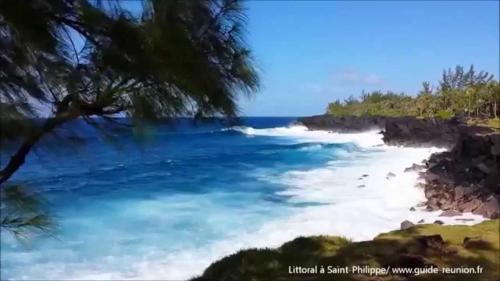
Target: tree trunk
[[19, 157]]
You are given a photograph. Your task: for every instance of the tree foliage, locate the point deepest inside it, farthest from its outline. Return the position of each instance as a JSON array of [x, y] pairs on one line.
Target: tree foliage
[[466, 93], [95, 58], [24, 214]]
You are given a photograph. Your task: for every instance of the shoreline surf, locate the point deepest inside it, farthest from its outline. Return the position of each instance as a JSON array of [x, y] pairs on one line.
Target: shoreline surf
[[334, 199]]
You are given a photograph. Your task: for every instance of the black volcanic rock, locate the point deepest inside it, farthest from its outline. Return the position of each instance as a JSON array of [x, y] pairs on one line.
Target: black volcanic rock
[[450, 213], [489, 208], [466, 179], [344, 123], [434, 242], [414, 168], [406, 224], [408, 131]]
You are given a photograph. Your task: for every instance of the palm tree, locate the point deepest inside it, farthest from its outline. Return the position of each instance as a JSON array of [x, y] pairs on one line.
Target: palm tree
[[424, 100], [84, 59]]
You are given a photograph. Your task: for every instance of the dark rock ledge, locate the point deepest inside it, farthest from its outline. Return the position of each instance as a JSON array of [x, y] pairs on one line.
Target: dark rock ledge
[[407, 131], [466, 178]]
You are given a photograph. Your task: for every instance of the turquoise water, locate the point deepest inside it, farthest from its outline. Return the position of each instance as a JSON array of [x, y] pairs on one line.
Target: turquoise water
[[183, 187], [166, 205]]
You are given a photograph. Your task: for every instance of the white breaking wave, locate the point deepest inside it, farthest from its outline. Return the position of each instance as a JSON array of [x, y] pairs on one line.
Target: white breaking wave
[[356, 207], [358, 199], [300, 133]]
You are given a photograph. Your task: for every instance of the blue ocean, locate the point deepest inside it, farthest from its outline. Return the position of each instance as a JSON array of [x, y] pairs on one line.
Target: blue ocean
[[166, 202]]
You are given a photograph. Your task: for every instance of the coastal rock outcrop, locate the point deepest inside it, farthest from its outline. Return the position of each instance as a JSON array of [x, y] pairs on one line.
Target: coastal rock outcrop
[[408, 131], [406, 224], [466, 179], [343, 124], [414, 168]]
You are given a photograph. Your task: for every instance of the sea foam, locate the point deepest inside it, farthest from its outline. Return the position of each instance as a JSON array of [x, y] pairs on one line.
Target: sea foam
[[353, 195], [352, 206]]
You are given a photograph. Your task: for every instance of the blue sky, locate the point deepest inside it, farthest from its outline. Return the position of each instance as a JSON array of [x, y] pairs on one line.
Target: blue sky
[[310, 53]]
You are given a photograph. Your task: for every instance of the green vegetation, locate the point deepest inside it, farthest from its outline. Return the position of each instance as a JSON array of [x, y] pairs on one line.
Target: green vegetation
[[490, 123], [466, 93], [402, 248], [23, 214]]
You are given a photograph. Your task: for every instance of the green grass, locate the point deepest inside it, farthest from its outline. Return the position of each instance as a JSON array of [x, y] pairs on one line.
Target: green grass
[[387, 249], [493, 123]]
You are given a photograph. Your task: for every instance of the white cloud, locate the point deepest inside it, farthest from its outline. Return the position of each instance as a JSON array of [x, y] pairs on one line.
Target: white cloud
[[344, 83], [352, 77]]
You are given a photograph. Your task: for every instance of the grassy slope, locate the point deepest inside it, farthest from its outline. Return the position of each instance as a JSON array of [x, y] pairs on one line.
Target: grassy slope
[[488, 123], [387, 249]]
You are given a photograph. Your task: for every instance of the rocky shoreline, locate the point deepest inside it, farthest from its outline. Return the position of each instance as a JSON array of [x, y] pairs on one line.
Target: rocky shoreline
[[463, 179], [466, 178]]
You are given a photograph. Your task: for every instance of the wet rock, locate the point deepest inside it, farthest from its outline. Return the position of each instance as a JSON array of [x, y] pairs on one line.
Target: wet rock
[[450, 213], [438, 222], [470, 180], [495, 148], [489, 209], [361, 186], [464, 219], [420, 132], [429, 176], [432, 204], [343, 123], [461, 191], [411, 261], [446, 204], [431, 242], [414, 168], [390, 175], [421, 221], [476, 243], [421, 204], [483, 168], [412, 209], [406, 224], [363, 176], [470, 205]]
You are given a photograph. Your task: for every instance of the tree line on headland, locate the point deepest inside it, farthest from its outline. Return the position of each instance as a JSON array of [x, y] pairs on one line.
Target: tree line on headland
[[460, 92]]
